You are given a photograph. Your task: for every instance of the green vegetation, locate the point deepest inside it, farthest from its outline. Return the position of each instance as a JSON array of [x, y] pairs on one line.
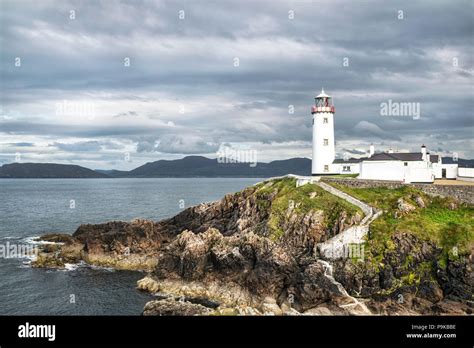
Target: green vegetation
[[287, 195], [450, 229], [343, 176]]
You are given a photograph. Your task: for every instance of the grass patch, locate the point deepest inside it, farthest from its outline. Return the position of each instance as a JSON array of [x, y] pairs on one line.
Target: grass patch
[[287, 195], [452, 230]]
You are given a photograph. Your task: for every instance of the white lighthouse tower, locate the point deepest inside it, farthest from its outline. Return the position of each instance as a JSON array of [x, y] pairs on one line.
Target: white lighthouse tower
[[323, 135]]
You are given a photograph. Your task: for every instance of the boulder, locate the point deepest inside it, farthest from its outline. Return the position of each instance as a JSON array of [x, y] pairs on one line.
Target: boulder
[[172, 307], [420, 202], [404, 207]]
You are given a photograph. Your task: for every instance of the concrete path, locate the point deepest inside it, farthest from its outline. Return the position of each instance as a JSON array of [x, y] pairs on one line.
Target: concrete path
[[342, 245], [339, 246]]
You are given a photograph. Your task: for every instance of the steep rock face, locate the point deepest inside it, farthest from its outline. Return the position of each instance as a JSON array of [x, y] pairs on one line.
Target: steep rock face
[[368, 279], [232, 214], [119, 237], [408, 279], [457, 279], [254, 262]]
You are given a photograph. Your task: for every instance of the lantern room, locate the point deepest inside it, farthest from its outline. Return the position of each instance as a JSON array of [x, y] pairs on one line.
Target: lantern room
[[323, 103]]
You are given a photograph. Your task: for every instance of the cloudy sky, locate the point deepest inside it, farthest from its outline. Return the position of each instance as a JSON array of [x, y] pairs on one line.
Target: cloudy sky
[[114, 84]]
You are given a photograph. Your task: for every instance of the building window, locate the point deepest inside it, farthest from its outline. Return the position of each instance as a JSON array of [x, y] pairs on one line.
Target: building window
[[346, 168], [325, 142], [325, 120], [326, 168], [405, 164]]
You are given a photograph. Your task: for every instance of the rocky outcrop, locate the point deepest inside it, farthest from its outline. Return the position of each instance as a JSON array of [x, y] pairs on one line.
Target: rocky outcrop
[[253, 253], [171, 307], [409, 280], [122, 245], [404, 207]]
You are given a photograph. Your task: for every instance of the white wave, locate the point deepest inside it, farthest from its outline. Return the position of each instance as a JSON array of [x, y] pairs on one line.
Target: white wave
[[35, 240], [71, 266], [102, 268]]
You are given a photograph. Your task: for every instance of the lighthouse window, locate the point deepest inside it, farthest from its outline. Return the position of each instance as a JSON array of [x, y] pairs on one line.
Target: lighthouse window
[[325, 120], [325, 142], [405, 164], [326, 168]]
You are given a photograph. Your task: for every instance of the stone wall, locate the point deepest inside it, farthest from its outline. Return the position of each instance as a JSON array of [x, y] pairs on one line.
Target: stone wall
[[462, 193]]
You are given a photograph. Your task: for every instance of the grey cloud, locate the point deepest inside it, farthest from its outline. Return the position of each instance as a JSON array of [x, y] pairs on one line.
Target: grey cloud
[[364, 128], [282, 62], [146, 146], [86, 146], [186, 145], [126, 114], [354, 151], [22, 144]]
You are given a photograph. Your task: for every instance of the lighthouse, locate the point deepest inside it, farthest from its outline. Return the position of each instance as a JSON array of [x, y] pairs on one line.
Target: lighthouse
[[323, 135]]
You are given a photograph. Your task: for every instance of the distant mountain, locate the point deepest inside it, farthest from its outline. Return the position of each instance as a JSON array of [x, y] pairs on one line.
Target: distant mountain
[[190, 166], [198, 166], [464, 163], [47, 170]]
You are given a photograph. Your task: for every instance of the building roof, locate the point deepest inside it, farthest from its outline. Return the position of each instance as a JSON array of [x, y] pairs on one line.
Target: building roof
[[396, 156], [385, 156], [350, 160]]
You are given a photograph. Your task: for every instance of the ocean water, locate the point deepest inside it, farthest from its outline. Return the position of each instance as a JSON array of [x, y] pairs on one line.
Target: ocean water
[[31, 207]]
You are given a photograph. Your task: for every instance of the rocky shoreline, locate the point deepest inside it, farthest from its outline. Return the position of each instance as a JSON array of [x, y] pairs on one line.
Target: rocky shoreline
[[254, 253]]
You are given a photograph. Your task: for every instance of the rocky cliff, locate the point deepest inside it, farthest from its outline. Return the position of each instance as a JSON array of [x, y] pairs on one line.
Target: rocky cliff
[[254, 252]]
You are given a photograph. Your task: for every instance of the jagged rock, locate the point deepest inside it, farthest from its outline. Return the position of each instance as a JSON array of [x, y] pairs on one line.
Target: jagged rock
[[430, 291], [420, 202], [457, 280], [57, 238], [288, 310], [320, 310], [404, 207], [390, 307], [367, 279], [311, 287], [148, 284], [449, 307], [270, 307], [386, 277], [248, 311], [172, 307]]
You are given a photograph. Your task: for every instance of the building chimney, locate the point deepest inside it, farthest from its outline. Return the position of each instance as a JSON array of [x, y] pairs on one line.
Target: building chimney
[[371, 150], [423, 152]]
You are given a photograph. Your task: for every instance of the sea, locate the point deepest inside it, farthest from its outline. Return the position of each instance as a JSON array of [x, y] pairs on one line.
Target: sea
[[32, 207]]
